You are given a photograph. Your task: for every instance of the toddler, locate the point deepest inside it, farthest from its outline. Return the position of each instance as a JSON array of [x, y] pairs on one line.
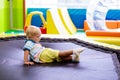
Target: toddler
[[40, 54]]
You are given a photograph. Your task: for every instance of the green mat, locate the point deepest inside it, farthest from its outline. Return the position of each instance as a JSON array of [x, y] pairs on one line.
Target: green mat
[[14, 32]]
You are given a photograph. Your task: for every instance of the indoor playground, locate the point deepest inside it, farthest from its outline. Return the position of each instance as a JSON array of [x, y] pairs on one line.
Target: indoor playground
[[65, 24]]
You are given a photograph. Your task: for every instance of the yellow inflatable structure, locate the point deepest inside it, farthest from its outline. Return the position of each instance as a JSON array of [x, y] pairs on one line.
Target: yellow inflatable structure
[[64, 16], [59, 22], [29, 18]]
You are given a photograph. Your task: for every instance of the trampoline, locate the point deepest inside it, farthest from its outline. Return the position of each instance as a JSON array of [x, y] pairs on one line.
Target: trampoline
[[95, 63]]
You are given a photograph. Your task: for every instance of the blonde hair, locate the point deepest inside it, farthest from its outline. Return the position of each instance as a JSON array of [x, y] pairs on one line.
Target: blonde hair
[[32, 31]]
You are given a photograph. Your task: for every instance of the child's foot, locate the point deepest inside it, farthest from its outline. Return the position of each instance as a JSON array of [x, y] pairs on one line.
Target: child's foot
[[76, 53], [79, 50], [75, 58]]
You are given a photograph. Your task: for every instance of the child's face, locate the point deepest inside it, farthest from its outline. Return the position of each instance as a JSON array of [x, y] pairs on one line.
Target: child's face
[[36, 38]]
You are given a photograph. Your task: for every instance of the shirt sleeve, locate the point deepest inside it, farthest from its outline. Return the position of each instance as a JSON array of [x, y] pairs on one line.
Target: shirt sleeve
[[28, 46]]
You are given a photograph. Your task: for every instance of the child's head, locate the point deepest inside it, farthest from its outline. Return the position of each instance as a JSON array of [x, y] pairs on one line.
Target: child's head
[[33, 33]]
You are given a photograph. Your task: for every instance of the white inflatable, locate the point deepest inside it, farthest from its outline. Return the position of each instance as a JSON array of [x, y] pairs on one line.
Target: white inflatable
[[96, 14]]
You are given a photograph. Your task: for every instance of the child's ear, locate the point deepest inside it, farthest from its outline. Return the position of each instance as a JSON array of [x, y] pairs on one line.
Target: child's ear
[[27, 37]]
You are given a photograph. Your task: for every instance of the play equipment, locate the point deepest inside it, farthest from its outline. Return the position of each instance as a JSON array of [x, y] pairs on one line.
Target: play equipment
[[104, 36], [28, 21], [59, 22], [96, 14], [113, 29], [55, 25], [64, 16]]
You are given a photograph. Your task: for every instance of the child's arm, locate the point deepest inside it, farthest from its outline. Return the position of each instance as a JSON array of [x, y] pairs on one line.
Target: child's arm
[[26, 61]]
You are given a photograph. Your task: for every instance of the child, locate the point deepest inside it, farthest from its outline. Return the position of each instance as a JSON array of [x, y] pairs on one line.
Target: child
[[40, 54]]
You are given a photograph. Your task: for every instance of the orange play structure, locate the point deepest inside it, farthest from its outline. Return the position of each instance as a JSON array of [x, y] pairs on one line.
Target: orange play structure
[[113, 29]]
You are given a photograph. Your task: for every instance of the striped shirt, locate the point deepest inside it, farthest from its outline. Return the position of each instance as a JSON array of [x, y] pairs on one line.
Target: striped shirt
[[34, 48]]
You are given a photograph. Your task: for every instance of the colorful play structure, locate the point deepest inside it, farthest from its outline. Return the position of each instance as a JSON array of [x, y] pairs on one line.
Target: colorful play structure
[[29, 18], [110, 36], [96, 25], [112, 29], [57, 19], [99, 27]]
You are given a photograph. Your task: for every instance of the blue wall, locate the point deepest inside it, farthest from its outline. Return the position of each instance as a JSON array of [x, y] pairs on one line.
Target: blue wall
[[77, 15], [113, 15]]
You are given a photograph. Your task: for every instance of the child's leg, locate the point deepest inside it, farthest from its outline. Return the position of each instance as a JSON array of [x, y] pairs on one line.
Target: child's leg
[[71, 54], [68, 58], [66, 55], [63, 54]]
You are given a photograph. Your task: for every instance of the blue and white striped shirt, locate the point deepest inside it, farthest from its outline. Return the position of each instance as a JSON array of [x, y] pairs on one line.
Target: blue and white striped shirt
[[34, 48]]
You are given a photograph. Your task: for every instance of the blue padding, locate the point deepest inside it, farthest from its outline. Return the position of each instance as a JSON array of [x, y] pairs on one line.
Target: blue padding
[[113, 14], [36, 20], [77, 15]]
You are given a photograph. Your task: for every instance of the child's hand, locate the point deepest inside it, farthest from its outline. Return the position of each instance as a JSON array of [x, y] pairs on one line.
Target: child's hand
[[29, 63]]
